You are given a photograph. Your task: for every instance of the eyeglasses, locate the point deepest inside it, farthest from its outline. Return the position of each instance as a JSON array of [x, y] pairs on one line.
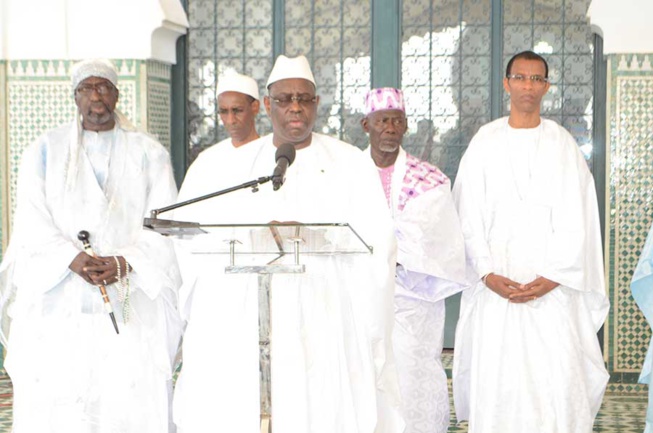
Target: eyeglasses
[[101, 88], [286, 100], [536, 80]]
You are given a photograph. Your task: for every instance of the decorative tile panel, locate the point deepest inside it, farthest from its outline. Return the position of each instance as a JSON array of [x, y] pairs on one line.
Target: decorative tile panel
[[4, 220], [630, 167], [158, 101], [39, 97]]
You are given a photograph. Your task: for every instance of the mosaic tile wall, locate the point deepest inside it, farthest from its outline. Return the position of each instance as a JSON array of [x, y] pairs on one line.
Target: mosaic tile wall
[[630, 204], [158, 101], [3, 156], [39, 97]]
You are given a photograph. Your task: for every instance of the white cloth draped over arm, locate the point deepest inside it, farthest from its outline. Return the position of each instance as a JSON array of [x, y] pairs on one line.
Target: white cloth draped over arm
[[574, 257], [150, 254], [574, 254], [430, 246], [49, 216], [469, 196], [39, 241]]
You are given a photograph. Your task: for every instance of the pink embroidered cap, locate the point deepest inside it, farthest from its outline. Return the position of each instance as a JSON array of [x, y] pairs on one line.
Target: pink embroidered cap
[[384, 98]]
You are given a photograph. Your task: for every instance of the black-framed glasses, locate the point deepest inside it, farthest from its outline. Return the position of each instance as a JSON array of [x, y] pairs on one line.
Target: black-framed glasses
[[286, 100], [101, 88], [537, 80]]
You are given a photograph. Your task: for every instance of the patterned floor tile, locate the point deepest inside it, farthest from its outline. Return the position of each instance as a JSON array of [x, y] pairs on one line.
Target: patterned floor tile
[[618, 414]]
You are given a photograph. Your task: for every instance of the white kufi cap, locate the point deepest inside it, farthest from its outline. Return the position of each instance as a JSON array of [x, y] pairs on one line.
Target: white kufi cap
[[232, 81], [286, 67], [102, 68]]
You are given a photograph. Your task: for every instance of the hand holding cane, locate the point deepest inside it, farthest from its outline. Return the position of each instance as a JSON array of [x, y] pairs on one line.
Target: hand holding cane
[[84, 237]]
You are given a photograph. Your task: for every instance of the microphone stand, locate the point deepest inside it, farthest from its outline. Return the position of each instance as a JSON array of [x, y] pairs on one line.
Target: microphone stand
[[154, 222]]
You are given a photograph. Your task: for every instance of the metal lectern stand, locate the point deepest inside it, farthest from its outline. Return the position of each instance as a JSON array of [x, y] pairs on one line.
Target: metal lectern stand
[[268, 249]]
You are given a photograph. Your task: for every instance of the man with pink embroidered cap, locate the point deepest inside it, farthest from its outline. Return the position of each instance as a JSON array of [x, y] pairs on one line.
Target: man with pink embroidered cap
[[430, 260]]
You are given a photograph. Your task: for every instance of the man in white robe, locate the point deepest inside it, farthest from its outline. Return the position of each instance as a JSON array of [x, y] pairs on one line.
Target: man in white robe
[[71, 371], [642, 288], [225, 164], [430, 260], [527, 358], [238, 105], [332, 366]]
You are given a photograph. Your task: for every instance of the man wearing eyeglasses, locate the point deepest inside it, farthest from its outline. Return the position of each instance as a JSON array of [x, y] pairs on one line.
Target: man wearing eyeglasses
[[527, 358], [331, 362], [430, 260], [71, 370]]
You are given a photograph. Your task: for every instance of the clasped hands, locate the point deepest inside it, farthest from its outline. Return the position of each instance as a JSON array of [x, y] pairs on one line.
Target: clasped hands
[[516, 292], [97, 270]]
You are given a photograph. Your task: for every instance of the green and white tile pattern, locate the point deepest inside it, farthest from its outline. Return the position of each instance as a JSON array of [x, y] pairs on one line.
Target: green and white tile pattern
[[630, 205]]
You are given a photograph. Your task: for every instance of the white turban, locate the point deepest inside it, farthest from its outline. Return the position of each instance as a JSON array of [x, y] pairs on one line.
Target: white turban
[[232, 81], [101, 68], [296, 67], [94, 68]]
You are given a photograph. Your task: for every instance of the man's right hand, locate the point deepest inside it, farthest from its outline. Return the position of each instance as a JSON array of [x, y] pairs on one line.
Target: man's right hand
[[501, 285], [79, 264]]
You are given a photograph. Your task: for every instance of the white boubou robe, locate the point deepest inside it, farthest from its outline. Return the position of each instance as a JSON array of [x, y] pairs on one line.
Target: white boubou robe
[[642, 288], [217, 168], [71, 372], [430, 267], [527, 206], [332, 365]]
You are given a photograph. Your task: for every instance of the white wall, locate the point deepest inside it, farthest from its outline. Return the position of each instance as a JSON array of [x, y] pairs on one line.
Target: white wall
[[624, 24], [76, 29]]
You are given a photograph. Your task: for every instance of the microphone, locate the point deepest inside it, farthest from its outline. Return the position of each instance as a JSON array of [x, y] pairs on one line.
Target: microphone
[[284, 157]]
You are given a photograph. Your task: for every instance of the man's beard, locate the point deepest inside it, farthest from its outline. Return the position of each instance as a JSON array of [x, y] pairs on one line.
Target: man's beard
[[389, 147]]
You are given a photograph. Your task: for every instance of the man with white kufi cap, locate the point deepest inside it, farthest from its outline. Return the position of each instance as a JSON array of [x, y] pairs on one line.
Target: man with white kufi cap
[[226, 163], [99, 174], [238, 105], [430, 259], [222, 165], [332, 365]]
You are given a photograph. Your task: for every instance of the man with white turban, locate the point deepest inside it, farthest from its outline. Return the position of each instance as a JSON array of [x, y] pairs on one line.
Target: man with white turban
[[430, 260], [331, 354], [71, 371]]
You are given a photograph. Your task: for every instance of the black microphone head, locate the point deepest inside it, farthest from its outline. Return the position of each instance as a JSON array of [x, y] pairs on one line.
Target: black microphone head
[[285, 150]]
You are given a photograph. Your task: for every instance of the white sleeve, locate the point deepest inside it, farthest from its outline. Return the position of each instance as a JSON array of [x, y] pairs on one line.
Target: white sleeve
[[469, 196]]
